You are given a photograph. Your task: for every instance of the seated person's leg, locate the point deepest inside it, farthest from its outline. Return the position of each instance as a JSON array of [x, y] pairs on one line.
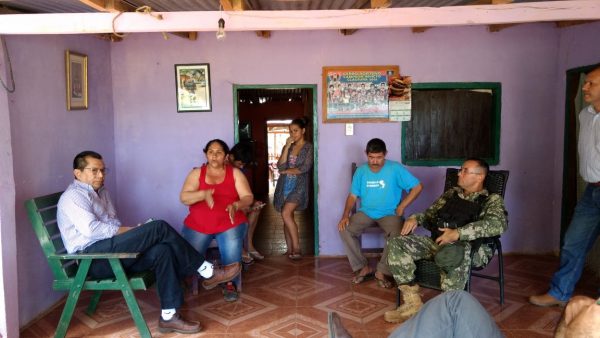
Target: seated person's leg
[[230, 247], [350, 237], [197, 240], [450, 314], [391, 225], [403, 252], [456, 279]]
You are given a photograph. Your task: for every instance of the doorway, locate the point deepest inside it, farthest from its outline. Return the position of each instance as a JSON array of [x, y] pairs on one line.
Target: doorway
[[262, 114]]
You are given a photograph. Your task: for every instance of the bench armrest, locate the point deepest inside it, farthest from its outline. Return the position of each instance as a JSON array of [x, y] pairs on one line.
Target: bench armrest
[[119, 255]]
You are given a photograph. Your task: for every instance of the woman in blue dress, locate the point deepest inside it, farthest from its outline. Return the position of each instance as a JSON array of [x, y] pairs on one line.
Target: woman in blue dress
[[291, 192]]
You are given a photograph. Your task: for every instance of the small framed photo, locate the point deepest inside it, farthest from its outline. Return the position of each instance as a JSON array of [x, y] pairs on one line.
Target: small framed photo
[[193, 87], [77, 84]]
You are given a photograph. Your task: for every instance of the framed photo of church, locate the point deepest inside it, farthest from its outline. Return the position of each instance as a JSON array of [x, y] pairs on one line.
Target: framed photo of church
[[77, 85], [193, 87]]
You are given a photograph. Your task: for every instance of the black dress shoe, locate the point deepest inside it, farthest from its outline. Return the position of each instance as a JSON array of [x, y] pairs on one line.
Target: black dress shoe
[[178, 324], [336, 329]]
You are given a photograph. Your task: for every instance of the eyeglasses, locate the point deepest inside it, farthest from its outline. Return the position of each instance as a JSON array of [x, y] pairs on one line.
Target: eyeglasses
[[465, 171], [95, 171]]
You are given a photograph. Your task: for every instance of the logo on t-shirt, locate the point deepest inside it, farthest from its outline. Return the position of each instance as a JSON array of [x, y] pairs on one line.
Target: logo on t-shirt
[[376, 184]]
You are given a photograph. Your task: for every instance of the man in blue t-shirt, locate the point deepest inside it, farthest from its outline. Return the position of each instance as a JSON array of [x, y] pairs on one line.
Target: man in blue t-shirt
[[379, 184]]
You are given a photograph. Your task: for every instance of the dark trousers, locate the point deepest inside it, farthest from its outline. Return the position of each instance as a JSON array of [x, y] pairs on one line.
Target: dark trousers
[[161, 249]]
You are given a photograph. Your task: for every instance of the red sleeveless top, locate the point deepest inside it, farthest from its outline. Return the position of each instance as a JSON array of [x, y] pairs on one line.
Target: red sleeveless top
[[215, 220]]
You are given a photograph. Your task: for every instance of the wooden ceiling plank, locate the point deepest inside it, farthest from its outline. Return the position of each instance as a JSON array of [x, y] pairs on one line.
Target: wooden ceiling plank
[[563, 24], [499, 27], [107, 5], [233, 5], [192, 36], [420, 29], [346, 31], [381, 3]]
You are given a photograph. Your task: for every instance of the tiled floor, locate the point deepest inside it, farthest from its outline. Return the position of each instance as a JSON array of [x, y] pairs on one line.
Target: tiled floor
[[269, 238], [283, 298]]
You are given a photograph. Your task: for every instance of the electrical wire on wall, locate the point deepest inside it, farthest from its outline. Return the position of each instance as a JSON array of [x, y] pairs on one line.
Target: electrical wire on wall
[[10, 71]]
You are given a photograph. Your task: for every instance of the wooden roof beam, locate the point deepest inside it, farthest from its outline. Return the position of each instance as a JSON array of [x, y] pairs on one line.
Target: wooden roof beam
[[232, 5], [107, 5], [499, 27], [563, 24], [363, 4]]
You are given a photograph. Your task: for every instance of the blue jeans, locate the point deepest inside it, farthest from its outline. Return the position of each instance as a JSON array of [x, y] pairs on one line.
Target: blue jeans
[[579, 239], [230, 242], [450, 314], [162, 250]]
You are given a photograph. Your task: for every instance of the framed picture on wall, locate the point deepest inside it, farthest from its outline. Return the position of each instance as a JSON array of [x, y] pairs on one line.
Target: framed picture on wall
[[356, 93], [77, 85], [193, 87]]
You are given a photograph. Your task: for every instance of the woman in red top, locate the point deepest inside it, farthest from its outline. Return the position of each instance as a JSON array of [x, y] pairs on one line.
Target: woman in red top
[[216, 194]]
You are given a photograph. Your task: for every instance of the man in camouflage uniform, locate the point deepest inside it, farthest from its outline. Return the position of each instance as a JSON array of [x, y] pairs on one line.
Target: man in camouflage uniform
[[407, 248]]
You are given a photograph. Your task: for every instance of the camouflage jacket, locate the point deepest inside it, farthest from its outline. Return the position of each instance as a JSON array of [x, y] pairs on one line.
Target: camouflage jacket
[[492, 220]]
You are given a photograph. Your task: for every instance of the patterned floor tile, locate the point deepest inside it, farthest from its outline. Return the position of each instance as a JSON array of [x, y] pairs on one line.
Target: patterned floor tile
[[283, 298]]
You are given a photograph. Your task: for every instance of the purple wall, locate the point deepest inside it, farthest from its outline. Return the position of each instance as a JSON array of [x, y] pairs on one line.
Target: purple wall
[[46, 137], [156, 146]]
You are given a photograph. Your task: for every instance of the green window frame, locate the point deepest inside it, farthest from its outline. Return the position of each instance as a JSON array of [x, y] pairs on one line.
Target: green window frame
[[411, 137]]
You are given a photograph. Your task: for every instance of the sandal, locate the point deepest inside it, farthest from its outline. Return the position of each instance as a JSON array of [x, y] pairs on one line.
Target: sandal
[[363, 278], [295, 256], [383, 283], [247, 259], [256, 255]]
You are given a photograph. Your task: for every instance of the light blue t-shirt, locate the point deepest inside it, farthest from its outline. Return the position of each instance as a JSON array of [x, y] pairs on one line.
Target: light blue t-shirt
[[381, 192]]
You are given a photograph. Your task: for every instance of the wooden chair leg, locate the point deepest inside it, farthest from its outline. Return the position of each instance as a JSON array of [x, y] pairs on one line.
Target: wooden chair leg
[[67, 314], [132, 303]]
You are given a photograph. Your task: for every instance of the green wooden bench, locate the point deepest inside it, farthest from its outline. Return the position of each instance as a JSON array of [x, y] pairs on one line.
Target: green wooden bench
[[71, 270]]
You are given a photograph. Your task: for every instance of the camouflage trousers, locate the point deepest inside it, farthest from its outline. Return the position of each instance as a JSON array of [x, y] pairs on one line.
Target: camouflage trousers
[[405, 250]]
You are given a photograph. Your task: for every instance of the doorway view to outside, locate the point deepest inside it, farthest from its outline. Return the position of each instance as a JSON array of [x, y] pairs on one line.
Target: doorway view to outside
[[277, 134], [264, 115]]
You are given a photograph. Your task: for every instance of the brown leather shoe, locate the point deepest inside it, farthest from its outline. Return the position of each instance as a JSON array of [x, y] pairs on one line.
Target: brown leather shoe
[[178, 324], [225, 274], [546, 300]]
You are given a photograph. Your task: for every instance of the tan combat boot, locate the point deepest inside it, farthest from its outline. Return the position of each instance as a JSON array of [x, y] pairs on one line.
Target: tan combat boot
[[411, 305]]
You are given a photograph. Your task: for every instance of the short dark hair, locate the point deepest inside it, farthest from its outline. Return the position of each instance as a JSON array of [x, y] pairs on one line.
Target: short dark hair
[[301, 122], [595, 69], [242, 151], [376, 145], [79, 162], [220, 142], [481, 163]]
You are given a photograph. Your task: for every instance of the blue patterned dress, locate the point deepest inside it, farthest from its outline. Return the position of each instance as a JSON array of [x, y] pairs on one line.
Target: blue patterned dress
[[288, 192]]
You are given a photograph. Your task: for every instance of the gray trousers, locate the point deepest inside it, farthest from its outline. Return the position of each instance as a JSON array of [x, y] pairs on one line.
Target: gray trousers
[[391, 225], [450, 314]]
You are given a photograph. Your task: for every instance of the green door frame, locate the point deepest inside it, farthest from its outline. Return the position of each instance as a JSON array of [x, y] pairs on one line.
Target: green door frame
[[315, 123]]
